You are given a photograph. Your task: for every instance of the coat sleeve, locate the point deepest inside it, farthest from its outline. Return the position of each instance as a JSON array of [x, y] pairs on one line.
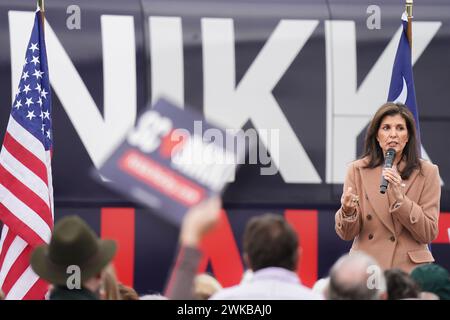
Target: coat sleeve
[[348, 228], [421, 218], [181, 281]]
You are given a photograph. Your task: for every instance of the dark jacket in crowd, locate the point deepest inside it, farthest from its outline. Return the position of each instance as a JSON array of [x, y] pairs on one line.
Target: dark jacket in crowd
[[63, 293]]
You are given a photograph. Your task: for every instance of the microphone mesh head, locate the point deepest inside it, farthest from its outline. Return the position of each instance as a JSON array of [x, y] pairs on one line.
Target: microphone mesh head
[[390, 151]]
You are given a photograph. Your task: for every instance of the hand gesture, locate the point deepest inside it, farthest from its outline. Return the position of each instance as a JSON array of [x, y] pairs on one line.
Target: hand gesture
[[396, 185], [199, 220], [349, 201]]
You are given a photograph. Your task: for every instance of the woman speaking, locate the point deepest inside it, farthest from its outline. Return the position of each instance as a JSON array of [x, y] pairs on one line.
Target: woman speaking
[[394, 227]]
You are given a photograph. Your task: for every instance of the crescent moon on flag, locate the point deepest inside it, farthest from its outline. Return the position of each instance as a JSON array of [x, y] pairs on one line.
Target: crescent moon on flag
[[404, 94]]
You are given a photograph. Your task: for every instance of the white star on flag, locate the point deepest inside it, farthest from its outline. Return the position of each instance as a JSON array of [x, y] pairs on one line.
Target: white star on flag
[[35, 60], [31, 115], [34, 46], [38, 73], [29, 102], [18, 104], [26, 89], [25, 75], [44, 93]]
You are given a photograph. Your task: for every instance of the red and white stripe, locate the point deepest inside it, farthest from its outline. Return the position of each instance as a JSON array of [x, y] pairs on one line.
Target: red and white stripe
[[26, 209]]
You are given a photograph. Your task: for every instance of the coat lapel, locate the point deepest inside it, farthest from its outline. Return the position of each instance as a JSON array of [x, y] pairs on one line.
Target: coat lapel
[[411, 181], [408, 183], [371, 181]]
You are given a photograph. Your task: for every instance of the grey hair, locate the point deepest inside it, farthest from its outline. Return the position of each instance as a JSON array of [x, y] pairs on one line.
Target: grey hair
[[356, 277]]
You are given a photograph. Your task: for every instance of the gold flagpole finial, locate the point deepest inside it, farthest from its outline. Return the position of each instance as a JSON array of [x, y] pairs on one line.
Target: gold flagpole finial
[[409, 13], [41, 4], [409, 8]]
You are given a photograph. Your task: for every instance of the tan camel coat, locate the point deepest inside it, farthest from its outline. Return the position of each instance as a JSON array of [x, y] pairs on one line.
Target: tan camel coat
[[396, 235]]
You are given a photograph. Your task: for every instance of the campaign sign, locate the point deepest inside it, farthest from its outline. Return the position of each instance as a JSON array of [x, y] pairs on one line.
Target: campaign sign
[[172, 160]]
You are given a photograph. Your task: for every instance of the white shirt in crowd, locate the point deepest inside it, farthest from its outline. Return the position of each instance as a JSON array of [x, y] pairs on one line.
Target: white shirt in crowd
[[269, 284]]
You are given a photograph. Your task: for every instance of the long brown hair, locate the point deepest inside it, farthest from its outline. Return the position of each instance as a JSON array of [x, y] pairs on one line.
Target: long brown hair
[[372, 149]]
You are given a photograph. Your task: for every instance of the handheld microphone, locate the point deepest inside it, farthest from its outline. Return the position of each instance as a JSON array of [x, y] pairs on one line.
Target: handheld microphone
[[388, 161]]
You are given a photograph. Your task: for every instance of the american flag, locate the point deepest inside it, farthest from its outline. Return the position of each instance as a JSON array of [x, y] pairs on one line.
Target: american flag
[[26, 192]]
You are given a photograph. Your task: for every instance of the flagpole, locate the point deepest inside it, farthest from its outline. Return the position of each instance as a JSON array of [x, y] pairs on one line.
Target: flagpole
[[41, 4], [409, 13]]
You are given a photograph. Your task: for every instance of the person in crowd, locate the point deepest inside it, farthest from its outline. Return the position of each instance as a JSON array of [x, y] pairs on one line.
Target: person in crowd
[[356, 277], [395, 227], [109, 289], [432, 279], [127, 293], [400, 285], [198, 221], [113, 289], [424, 295], [74, 261], [153, 296], [271, 251], [205, 286], [247, 276], [321, 286]]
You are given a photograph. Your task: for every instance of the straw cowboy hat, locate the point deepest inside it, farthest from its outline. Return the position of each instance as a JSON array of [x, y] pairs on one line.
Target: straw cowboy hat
[[73, 243]]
